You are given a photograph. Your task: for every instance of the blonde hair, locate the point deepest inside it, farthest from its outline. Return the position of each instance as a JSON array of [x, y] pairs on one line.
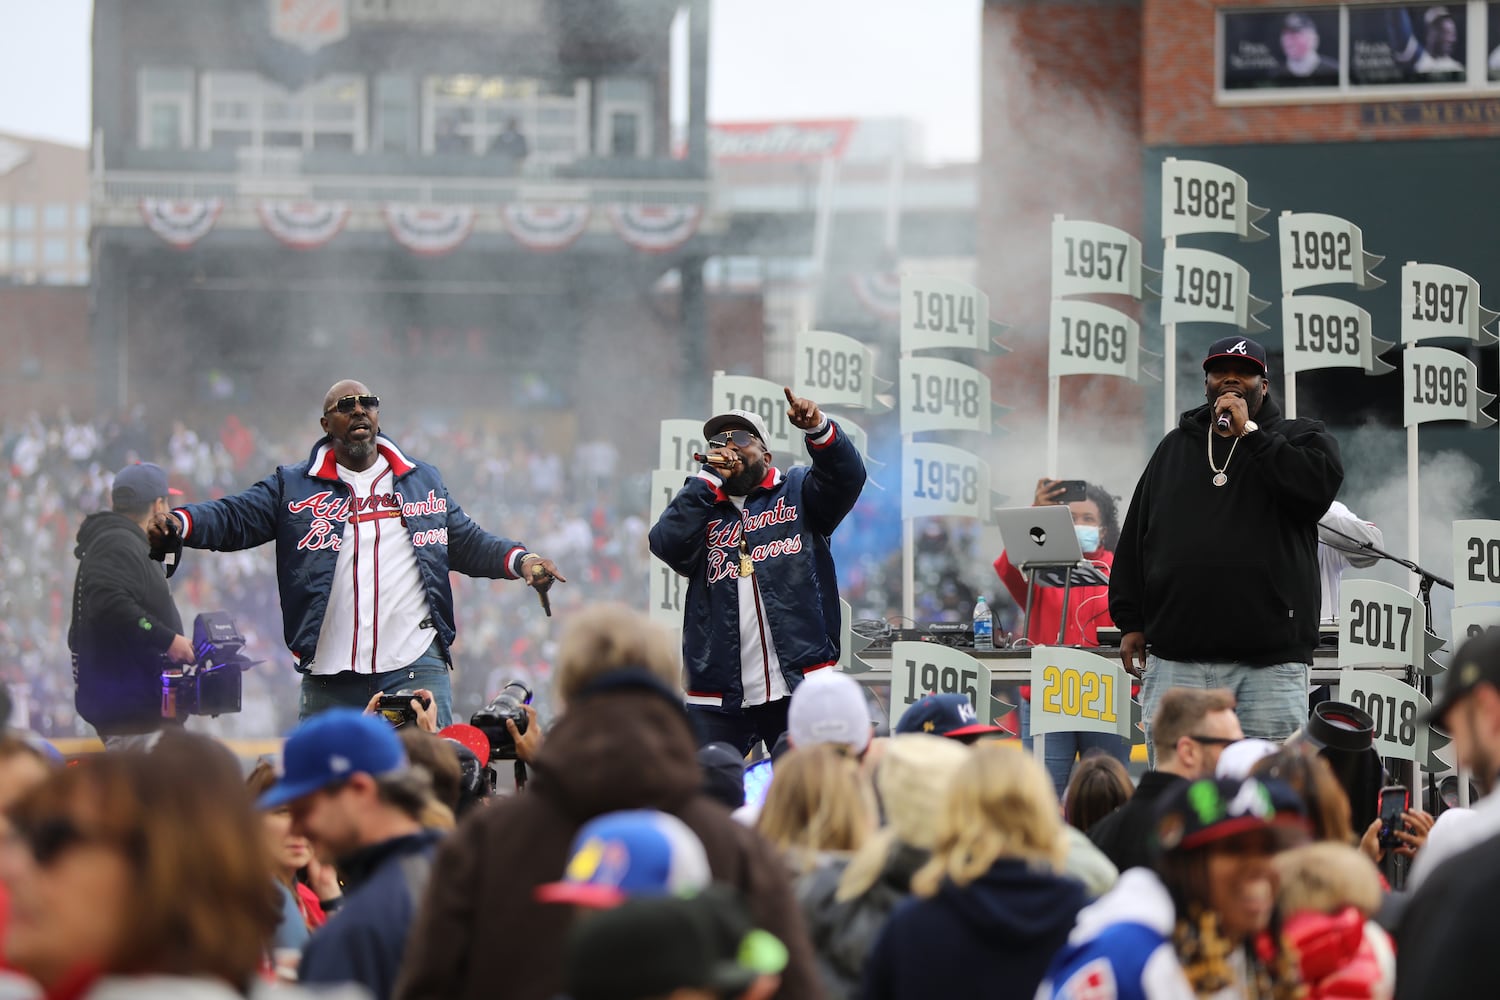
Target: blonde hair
[[607, 638], [1000, 805], [1326, 876], [912, 779], [819, 801]]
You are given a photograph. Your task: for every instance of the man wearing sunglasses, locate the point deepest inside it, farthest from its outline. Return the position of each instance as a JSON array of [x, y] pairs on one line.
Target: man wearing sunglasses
[[365, 539], [762, 606]]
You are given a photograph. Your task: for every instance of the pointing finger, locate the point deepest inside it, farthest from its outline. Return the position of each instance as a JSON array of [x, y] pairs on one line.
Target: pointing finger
[[789, 397]]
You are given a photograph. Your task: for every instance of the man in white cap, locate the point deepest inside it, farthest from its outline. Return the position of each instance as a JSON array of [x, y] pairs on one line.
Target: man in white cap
[[762, 608]]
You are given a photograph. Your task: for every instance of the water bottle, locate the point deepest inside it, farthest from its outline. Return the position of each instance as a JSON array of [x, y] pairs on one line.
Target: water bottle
[[984, 625]]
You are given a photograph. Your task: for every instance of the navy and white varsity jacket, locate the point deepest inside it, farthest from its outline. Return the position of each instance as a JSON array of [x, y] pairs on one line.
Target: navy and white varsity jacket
[[304, 507], [787, 522]]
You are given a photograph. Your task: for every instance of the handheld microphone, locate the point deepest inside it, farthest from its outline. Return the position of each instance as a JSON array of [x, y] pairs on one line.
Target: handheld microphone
[[1223, 422], [717, 461]]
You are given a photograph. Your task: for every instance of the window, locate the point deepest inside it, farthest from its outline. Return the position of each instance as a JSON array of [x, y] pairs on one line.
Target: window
[[395, 114], [80, 251], [624, 128], [24, 252], [55, 278], [4, 218], [24, 219], [81, 215], [624, 132], [54, 215], [543, 121], [55, 251], [242, 109], [164, 97]]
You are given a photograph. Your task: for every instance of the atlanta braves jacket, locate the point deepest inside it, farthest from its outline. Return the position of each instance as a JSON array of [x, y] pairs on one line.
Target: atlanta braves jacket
[[303, 508], [789, 518]]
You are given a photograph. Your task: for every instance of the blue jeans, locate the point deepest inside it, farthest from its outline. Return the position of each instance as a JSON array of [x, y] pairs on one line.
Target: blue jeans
[[1064, 748], [1271, 701], [321, 692]]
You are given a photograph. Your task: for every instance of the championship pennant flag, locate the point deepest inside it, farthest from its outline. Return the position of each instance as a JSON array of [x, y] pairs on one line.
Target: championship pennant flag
[[1202, 197]]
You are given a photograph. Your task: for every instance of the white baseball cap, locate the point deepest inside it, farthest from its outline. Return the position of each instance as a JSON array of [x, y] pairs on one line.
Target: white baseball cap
[[829, 707], [1237, 759], [737, 418]]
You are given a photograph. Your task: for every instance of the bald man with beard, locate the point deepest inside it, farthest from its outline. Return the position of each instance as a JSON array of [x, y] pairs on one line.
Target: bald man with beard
[[366, 536]]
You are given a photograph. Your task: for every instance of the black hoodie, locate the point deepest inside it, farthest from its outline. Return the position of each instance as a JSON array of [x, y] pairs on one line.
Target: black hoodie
[[1228, 573], [124, 619], [992, 937]]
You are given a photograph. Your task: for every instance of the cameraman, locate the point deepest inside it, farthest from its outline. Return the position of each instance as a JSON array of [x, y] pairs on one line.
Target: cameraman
[[125, 625]]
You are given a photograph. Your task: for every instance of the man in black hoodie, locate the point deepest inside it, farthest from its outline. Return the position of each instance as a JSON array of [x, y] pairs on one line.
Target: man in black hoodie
[[125, 625], [1217, 566]]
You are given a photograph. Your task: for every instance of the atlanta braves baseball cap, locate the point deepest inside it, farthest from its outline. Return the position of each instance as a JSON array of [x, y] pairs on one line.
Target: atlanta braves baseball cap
[[329, 749], [948, 715], [1237, 347], [141, 483], [634, 852], [730, 419]]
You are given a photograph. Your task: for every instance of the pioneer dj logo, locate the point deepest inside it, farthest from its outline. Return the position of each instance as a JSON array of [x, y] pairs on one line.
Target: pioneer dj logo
[[1039, 536]]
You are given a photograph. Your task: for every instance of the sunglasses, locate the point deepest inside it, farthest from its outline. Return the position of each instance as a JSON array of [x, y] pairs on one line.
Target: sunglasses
[[1213, 741], [345, 404], [740, 439]]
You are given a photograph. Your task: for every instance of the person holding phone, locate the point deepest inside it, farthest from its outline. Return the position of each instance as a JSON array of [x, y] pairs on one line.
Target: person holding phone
[[1096, 522]]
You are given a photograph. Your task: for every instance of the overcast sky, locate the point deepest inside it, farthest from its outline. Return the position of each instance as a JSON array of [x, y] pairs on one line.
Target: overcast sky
[[771, 59]]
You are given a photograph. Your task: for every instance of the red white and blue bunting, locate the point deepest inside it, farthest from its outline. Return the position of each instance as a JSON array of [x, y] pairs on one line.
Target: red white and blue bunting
[[879, 292], [429, 230], [181, 223], [303, 225], [546, 227], [655, 228]]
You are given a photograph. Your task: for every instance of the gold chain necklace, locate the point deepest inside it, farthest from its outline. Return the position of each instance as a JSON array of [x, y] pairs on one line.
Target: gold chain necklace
[[1219, 478]]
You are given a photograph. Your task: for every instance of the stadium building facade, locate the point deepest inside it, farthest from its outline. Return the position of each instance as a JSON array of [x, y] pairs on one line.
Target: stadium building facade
[[471, 200]]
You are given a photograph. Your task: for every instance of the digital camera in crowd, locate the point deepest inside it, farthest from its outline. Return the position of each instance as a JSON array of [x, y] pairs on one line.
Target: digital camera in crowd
[[508, 704], [211, 685], [396, 708]]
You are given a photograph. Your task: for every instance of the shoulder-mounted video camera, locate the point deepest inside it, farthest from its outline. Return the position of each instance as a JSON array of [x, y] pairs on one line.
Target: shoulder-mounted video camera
[[508, 704], [211, 684]]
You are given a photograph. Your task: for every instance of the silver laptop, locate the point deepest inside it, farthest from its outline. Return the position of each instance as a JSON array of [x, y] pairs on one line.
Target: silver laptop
[[1039, 535]]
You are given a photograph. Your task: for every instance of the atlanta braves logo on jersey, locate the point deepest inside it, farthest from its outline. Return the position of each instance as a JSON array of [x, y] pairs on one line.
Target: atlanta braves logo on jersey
[[330, 512]]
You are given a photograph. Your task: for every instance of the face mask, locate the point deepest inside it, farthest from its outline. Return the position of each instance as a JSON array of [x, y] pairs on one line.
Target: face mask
[[1088, 536]]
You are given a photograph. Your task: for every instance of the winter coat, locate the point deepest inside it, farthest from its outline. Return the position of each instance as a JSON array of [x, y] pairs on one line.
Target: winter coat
[[124, 619], [991, 937], [363, 940], [791, 518], [626, 748], [844, 932], [303, 508]]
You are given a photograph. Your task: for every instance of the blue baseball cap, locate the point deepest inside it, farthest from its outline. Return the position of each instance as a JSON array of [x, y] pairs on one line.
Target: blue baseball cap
[[329, 749], [141, 483], [948, 715], [631, 853]]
